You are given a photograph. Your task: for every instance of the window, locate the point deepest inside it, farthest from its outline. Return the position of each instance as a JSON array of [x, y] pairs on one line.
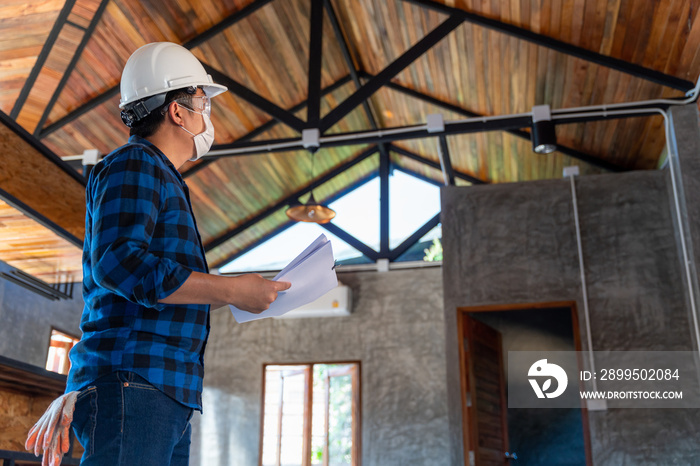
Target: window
[[311, 415], [412, 202], [59, 346]]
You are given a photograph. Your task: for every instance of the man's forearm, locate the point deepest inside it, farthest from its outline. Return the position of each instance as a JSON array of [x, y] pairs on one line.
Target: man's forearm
[[248, 292]]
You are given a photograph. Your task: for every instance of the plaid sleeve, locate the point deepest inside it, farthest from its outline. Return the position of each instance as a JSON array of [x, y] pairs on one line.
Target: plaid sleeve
[[127, 195]]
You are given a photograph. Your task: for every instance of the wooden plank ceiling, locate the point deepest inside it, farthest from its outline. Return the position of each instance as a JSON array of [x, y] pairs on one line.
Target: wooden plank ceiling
[[61, 63]]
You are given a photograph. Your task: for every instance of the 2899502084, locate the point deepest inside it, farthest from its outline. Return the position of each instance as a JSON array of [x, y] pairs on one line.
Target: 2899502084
[[639, 374]]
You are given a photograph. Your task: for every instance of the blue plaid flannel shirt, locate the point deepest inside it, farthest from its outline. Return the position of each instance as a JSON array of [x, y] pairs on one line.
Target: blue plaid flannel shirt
[[141, 244]]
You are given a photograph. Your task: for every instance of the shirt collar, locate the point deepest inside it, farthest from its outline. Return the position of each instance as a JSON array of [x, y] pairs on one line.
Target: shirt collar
[[139, 140]]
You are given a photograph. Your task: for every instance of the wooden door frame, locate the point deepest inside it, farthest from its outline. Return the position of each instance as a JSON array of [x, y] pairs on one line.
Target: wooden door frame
[[462, 311]]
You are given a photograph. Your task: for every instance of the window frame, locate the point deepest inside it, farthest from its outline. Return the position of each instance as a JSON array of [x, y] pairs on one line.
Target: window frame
[[308, 408], [49, 346]]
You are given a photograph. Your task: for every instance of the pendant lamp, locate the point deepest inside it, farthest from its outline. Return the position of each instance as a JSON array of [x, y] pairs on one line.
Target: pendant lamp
[[311, 211]]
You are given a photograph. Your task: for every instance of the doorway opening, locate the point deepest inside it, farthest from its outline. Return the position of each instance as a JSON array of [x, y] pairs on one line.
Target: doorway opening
[[494, 434]]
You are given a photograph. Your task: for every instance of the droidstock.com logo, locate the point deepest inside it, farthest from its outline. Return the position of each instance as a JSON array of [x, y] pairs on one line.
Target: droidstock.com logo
[[542, 369]]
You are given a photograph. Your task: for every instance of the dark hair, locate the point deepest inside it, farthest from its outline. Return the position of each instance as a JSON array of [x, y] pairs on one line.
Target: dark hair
[[149, 124]]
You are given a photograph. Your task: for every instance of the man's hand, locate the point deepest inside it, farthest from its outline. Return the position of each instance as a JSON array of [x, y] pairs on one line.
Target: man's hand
[[51, 433], [253, 293], [250, 292]]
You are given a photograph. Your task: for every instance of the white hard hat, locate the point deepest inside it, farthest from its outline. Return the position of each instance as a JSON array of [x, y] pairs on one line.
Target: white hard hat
[[160, 67]]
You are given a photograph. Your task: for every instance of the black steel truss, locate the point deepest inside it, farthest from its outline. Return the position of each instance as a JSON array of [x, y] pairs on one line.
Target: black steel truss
[[394, 68], [505, 123], [40, 218], [190, 44], [384, 172], [87, 34], [445, 162], [290, 199], [559, 46], [291, 223], [573, 153], [313, 112], [367, 251], [262, 128], [414, 238], [363, 92], [418, 158], [41, 59], [425, 179], [255, 99]]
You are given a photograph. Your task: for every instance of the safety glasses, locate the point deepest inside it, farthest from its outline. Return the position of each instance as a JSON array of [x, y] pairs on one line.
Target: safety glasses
[[199, 104]]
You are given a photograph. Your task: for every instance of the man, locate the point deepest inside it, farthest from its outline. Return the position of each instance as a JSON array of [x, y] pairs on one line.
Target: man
[[136, 374]]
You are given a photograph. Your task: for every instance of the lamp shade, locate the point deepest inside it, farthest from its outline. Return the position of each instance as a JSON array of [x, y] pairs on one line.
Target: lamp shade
[[311, 212]]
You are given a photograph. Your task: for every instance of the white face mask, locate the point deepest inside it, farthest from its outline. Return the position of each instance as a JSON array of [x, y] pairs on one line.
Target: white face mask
[[203, 140]]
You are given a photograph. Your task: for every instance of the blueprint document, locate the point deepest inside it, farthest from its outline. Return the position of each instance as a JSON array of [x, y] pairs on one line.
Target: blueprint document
[[311, 274]]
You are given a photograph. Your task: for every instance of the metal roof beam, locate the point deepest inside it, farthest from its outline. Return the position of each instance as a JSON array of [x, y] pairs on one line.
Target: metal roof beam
[[194, 42], [245, 93], [262, 128], [515, 132], [74, 61], [290, 223], [384, 170], [504, 123], [41, 59], [280, 204], [414, 238], [39, 218], [313, 113], [417, 175], [394, 68], [335, 24], [352, 241], [445, 162], [387, 135], [559, 46], [418, 158]]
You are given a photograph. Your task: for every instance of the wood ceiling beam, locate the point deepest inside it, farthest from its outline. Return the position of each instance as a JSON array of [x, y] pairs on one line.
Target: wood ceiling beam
[[71, 66], [286, 201], [41, 59], [559, 46], [384, 76], [194, 42]]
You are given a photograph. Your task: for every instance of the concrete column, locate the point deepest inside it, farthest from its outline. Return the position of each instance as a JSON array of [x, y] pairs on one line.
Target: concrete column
[[684, 178]]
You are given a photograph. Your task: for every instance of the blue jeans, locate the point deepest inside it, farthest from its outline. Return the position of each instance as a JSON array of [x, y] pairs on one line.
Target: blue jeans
[[121, 419]]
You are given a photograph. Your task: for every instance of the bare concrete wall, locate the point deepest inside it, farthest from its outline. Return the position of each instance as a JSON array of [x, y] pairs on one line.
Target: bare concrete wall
[[512, 244], [396, 331], [26, 320]]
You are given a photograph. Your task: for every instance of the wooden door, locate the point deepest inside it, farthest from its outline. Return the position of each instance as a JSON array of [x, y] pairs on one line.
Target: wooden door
[[483, 395]]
